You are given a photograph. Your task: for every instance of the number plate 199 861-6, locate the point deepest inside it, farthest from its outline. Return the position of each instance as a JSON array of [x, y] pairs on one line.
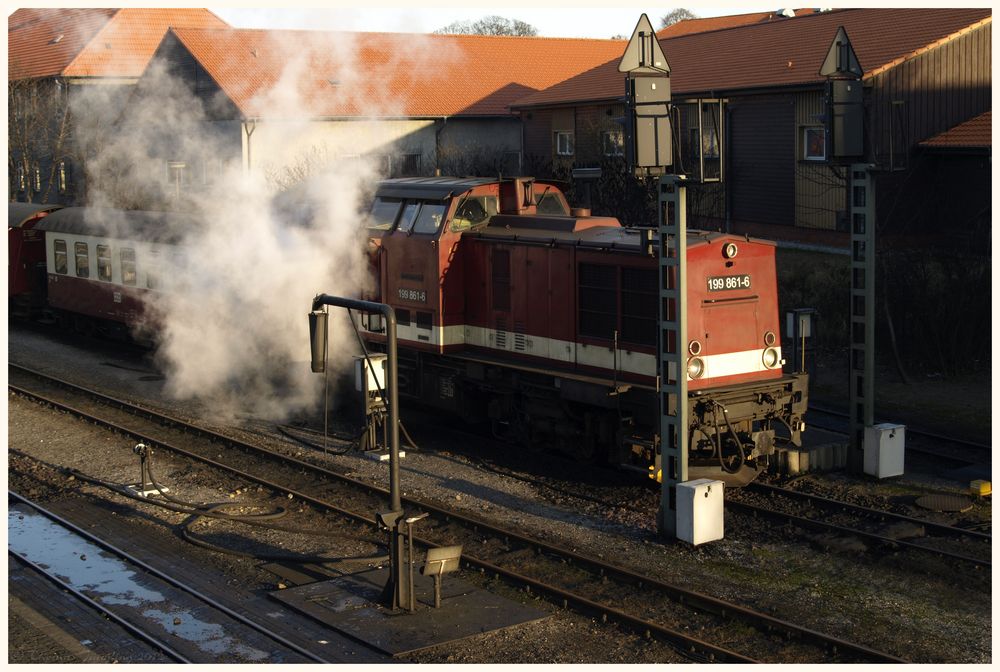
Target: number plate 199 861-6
[[720, 283]]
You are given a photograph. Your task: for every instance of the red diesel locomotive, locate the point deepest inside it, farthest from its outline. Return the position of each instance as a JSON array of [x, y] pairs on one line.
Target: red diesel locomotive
[[514, 310]]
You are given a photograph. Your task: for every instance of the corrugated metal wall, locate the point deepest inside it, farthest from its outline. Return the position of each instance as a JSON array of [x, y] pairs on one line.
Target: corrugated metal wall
[[939, 89], [761, 171]]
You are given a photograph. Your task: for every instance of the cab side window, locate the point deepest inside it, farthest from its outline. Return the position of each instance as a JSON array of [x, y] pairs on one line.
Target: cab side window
[[473, 212], [550, 204]]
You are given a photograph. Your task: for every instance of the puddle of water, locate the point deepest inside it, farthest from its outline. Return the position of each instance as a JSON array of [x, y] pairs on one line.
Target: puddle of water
[[111, 581]]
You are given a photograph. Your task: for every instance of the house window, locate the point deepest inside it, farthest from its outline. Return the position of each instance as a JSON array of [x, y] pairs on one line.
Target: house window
[[62, 177], [409, 165], [564, 143], [128, 266], [36, 178], [82, 260], [20, 178], [104, 263], [59, 248], [709, 143], [178, 177], [612, 143], [814, 143]]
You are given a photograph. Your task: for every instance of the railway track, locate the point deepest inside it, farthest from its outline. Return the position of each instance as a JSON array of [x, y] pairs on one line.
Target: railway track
[[876, 527], [956, 451], [636, 602], [163, 611]]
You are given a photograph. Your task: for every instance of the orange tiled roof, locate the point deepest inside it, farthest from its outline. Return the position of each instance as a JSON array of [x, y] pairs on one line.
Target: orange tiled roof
[[92, 42], [774, 54], [689, 26], [407, 75], [976, 132]]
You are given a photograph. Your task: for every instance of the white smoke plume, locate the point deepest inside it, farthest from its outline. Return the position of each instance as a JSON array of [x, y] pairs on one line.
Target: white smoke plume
[[231, 316]]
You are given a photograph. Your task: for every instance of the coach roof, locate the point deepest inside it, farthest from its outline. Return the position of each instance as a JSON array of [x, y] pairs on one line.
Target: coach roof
[[19, 213], [139, 225]]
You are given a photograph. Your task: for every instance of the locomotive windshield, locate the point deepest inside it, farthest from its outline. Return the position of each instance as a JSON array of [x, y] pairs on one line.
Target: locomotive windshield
[[422, 217], [383, 213], [429, 218]]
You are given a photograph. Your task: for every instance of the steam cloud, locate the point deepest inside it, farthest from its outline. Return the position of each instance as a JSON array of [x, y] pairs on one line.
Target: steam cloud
[[231, 319]]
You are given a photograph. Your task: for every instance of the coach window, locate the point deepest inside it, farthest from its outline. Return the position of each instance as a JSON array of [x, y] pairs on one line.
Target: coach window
[[383, 213], [128, 266], [429, 218], [564, 143], [59, 247], [82, 260], [104, 263]]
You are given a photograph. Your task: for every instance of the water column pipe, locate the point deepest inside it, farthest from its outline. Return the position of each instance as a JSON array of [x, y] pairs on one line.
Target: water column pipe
[[396, 588]]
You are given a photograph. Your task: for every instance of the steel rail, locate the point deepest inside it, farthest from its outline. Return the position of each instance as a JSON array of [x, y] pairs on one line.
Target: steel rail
[[101, 609], [93, 604], [911, 430], [695, 600], [940, 528], [709, 651], [869, 536], [215, 604]]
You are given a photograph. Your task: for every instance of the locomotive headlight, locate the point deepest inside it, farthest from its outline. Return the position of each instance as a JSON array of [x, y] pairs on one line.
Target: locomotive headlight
[[694, 347], [729, 250], [769, 338], [696, 367], [770, 358]]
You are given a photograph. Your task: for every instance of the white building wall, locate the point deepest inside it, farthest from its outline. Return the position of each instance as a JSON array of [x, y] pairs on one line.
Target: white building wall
[[274, 146]]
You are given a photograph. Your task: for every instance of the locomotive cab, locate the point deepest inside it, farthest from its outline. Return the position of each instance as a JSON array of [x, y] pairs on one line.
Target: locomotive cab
[[415, 227]]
